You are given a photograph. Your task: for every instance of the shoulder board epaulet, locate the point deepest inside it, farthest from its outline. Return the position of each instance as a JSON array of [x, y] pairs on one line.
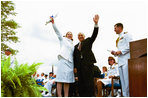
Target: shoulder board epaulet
[[116, 63], [125, 32]]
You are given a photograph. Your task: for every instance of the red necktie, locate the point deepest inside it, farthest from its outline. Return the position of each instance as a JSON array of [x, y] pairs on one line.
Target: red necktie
[[79, 47]]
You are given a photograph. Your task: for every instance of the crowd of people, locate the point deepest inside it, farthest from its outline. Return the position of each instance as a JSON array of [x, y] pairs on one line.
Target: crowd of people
[[47, 81]]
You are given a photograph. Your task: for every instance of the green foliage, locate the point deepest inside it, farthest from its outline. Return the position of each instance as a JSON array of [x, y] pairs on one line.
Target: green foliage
[[8, 26], [17, 81]]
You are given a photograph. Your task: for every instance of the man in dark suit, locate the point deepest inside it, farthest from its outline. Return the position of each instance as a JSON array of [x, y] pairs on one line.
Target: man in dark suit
[[84, 60]]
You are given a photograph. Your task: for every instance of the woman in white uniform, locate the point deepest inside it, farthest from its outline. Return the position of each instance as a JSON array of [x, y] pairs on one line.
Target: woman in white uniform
[[65, 67], [112, 72]]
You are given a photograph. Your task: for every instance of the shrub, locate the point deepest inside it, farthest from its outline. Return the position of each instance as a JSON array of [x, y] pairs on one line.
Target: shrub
[[17, 81]]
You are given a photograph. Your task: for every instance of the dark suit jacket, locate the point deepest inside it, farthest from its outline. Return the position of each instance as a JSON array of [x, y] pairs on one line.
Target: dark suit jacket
[[86, 51], [97, 72]]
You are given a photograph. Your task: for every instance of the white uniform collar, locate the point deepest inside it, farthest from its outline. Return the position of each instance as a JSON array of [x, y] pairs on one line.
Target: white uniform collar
[[68, 39], [112, 66], [121, 34]]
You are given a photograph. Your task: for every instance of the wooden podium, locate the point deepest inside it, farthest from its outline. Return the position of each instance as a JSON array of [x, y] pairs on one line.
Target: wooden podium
[[137, 67]]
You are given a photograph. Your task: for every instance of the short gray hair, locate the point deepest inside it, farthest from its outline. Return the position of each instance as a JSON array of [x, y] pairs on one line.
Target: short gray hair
[[81, 33]]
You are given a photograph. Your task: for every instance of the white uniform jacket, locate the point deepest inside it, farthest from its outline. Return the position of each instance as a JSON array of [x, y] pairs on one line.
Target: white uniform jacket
[[66, 46], [123, 46], [113, 71]]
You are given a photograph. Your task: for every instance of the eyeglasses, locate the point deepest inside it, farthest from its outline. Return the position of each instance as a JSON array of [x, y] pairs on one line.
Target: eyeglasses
[[110, 59]]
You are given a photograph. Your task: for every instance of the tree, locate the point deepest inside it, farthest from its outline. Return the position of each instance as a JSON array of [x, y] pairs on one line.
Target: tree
[[8, 26]]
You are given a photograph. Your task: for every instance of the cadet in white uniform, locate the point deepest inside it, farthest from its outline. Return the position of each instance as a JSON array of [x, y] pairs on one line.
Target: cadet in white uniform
[[113, 71], [123, 54], [65, 66]]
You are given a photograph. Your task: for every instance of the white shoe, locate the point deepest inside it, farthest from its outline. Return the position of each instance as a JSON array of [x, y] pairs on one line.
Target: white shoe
[[47, 95]]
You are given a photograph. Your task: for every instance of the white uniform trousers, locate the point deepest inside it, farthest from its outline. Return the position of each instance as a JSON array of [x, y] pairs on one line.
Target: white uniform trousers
[[123, 71]]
